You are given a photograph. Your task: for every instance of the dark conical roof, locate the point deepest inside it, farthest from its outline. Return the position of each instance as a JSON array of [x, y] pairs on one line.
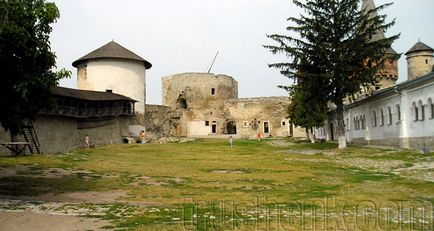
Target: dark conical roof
[[112, 50], [419, 46]]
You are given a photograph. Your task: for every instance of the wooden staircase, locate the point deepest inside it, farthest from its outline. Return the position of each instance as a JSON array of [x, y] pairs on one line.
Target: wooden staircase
[[30, 136]]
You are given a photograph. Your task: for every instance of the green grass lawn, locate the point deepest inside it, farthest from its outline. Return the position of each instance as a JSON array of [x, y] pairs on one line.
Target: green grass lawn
[[206, 185]]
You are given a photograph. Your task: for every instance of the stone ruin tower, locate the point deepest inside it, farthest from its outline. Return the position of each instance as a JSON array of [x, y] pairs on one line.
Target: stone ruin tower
[[197, 101], [388, 75], [420, 60], [113, 67]]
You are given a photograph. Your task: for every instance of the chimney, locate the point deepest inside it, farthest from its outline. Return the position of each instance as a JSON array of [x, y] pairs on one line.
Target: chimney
[[109, 90]]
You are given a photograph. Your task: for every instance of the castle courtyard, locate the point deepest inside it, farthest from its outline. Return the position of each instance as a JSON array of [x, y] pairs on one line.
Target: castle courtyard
[[277, 184]]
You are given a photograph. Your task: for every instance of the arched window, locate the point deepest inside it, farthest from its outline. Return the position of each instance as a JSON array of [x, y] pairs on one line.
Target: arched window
[[398, 112], [389, 113], [181, 103], [363, 122], [374, 118], [381, 117], [431, 105], [422, 110], [359, 118], [416, 112]]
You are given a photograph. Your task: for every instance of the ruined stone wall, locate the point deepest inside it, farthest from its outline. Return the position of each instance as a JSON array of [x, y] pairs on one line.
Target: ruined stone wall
[[61, 134], [254, 115], [158, 121], [198, 100]]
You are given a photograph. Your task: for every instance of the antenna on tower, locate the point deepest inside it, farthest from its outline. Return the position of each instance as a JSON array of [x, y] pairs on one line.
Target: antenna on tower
[[215, 57]]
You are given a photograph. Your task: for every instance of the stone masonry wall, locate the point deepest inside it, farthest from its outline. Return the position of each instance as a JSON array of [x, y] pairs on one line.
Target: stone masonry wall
[[61, 134], [157, 121], [252, 115], [197, 98]]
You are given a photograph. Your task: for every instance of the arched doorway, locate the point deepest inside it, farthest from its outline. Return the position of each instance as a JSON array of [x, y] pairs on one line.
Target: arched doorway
[[231, 127]]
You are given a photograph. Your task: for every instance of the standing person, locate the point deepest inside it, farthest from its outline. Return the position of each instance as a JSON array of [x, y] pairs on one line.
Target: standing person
[[259, 136], [143, 137], [231, 141], [87, 142]]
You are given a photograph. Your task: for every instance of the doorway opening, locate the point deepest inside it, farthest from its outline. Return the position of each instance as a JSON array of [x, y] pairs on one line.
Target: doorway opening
[[231, 127], [266, 127]]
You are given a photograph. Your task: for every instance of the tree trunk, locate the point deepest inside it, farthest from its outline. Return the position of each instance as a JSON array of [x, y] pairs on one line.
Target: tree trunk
[[307, 134], [341, 125], [312, 136]]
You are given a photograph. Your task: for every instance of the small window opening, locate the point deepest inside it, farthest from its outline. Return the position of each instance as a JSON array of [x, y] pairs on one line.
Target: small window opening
[[283, 123], [426, 61], [207, 123], [212, 91]]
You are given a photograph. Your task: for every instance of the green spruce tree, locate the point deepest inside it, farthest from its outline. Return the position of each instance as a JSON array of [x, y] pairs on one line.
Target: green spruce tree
[[336, 38]]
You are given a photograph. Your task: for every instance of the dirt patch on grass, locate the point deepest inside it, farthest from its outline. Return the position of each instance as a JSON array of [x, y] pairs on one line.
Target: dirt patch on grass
[[151, 181], [36, 221], [35, 171], [421, 171], [75, 197], [222, 171], [378, 165], [281, 143], [13, 171]]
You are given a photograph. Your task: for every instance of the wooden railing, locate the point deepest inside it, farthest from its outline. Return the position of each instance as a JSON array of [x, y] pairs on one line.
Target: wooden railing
[[88, 112]]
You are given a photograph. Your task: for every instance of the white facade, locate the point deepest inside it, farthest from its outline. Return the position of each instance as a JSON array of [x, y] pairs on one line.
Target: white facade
[[401, 116], [125, 77]]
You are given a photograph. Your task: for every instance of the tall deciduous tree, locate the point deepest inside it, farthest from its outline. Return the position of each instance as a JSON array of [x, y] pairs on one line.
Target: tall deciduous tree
[[336, 38], [27, 61]]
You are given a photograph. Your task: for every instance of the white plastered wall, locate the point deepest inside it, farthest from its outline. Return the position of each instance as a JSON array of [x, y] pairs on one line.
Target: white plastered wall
[[125, 77]]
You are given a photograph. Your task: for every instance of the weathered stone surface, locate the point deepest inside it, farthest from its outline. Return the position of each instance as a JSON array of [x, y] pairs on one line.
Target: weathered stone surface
[[61, 134], [196, 98], [254, 115], [157, 121], [205, 104]]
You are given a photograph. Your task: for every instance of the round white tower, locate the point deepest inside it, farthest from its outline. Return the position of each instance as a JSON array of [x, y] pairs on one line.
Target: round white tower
[[420, 60], [114, 68]]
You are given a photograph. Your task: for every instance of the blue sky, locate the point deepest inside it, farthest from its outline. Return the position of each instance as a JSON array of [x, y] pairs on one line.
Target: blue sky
[[183, 36]]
